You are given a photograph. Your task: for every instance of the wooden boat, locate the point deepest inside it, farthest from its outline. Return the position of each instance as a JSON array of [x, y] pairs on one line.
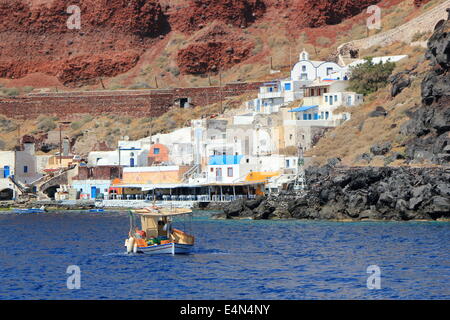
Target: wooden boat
[[29, 210], [96, 210], [155, 234]]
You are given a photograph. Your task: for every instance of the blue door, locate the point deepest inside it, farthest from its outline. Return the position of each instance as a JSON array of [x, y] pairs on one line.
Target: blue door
[[131, 162], [93, 192], [6, 172]]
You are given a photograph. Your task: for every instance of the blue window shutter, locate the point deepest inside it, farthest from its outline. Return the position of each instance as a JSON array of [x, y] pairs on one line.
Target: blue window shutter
[[6, 172]]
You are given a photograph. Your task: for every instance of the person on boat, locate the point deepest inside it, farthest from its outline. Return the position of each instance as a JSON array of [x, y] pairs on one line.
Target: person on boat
[[139, 234], [168, 227]]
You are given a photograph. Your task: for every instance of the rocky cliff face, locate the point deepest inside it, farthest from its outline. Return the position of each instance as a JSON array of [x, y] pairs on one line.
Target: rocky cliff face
[[34, 37], [430, 124], [198, 14], [313, 13], [215, 48], [111, 39]]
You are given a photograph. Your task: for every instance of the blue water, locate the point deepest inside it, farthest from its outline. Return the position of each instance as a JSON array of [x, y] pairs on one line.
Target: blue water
[[232, 260]]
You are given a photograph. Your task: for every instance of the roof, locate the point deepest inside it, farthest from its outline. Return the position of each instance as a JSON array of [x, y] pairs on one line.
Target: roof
[[161, 212], [304, 108], [224, 160], [260, 176]]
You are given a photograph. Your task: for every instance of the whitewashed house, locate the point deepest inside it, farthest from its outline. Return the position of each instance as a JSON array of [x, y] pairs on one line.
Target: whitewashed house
[[310, 70], [274, 95]]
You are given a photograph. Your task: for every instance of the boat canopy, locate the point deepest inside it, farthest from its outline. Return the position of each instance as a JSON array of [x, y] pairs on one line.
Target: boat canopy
[[161, 212]]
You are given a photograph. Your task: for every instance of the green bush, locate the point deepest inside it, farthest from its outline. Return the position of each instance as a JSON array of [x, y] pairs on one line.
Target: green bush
[[7, 125], [46, 124], [76, 125], [368, 77], [139, 85], [11, 92], [28, 89]]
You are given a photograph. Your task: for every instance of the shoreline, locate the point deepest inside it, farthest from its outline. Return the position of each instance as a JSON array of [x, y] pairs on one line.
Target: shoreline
[[219, 215]]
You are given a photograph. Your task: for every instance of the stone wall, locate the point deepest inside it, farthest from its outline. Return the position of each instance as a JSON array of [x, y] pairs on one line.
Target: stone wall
[[137, 103], [424, 23]]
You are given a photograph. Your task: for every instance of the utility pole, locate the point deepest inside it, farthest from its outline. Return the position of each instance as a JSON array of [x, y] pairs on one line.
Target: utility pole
[[220, 92], [101, 81], [18, 135], [300, 179], [290, 57], [61, 123], [151, 130], [120, 171], [60, 144]]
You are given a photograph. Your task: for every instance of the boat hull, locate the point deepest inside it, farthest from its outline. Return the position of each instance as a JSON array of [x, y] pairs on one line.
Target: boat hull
[[28, 211], [170, 248]]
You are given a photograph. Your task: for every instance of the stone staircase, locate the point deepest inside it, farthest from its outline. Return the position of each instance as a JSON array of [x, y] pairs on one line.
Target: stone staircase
[[423, 23]]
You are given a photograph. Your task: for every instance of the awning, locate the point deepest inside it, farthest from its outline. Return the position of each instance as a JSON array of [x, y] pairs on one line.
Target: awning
[[304, 108]]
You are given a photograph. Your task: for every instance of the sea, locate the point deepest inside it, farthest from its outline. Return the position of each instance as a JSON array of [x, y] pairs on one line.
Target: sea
[[81, 255]]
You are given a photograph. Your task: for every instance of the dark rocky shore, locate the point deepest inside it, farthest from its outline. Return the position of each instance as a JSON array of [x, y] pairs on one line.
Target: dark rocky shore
[[338, 193]]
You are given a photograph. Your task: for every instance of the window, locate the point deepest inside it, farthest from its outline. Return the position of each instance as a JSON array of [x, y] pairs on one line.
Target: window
[[349, 100], [329, 71], [327, 114], [230, 171], [335, 98], [270, 89], [6, 171], [212, 169], [326, 98], [287, 86], [156, 151], [304, 68], [287, 163], [218, 172], [304, 76], [25, 169]]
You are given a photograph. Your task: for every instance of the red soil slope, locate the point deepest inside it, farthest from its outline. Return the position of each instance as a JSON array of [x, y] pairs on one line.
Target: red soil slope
[[34, 37]]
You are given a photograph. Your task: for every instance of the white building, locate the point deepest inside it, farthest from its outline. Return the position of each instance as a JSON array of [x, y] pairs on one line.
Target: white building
[[276, 94], [21, 165], [180, 145], [309, 70], [321, 100], [128, 154]]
